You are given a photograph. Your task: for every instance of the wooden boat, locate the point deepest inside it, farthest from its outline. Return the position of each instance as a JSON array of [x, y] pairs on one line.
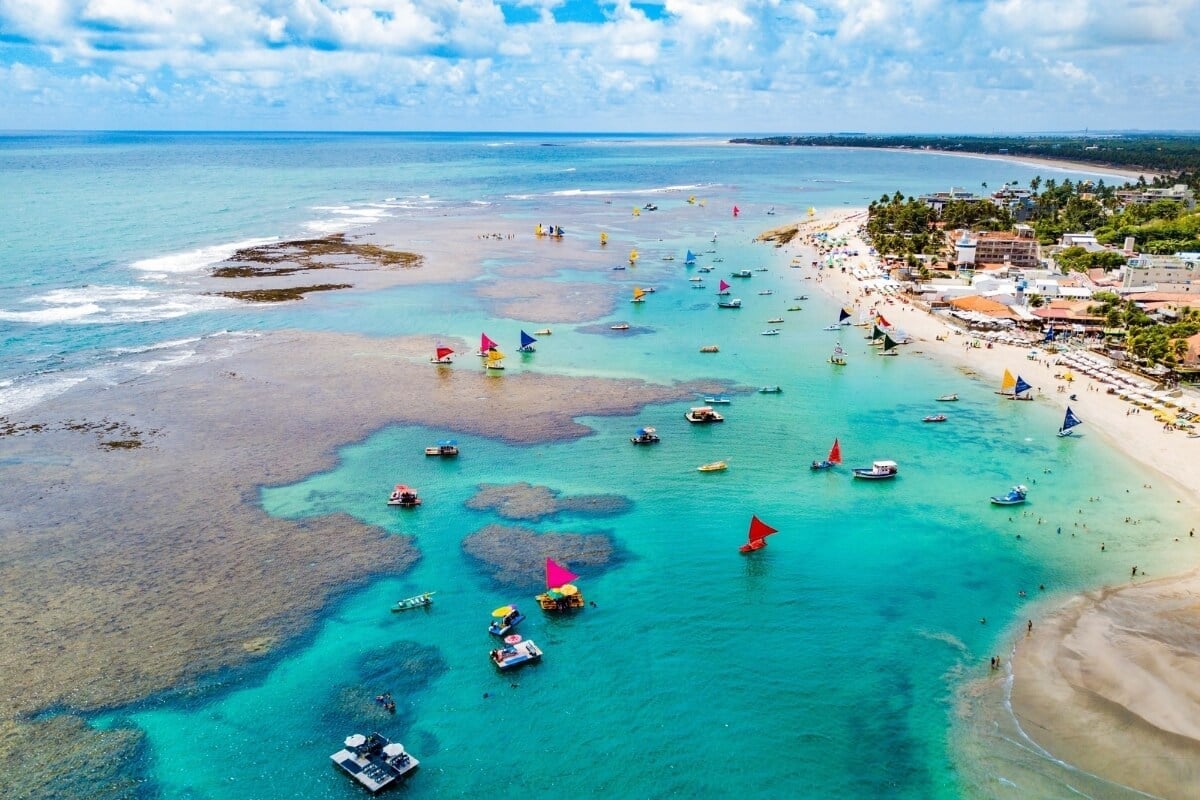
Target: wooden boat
[[714, 466], [766, 292], [757, 537], [723, 288], [795, 308], [504, 619], [442, 355], [645, 436], [1068, 426], [774, 320], [527, 343], [374, 761], [878, 471], [639, 295], [832, 460], [416, 601], [446, 448], [495, 359], [516, 654], [702, 415], [403, 496], [948, 398], [710, 348], [935, 418], [838, 357], [742, 273], [1015, 496], [561, 594]]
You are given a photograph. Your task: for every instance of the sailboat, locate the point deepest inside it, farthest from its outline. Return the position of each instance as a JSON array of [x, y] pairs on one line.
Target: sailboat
[[833, 459], [561, 594], [526, 343], [639, 295], [736, 211], [757, 539], [495, 359], [442, 356], [877, 334], [690, 259], [889, 346], [603, 238], [1021, 390], [724, 288], [1069, 423], [633, 256], [486, 345], [1007, 383], [843, 319], [839, 355]]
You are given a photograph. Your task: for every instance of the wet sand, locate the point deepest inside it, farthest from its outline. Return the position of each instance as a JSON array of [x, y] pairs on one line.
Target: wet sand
[[131, 570]]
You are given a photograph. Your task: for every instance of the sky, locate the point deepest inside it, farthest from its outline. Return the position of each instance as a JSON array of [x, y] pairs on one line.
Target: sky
[[730, 66]]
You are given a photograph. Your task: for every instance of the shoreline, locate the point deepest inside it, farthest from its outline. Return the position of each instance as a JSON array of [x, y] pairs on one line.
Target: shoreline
[[1102, 686]]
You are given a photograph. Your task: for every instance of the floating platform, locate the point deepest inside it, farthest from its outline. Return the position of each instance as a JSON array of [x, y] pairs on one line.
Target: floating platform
[[516, 655], [374, 761]]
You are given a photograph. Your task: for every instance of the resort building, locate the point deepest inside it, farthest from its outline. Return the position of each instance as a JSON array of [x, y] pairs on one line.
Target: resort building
[[938, 200], [975, 250], [1020, 203], [1164, 273], [1072, 315], [1180, 193]]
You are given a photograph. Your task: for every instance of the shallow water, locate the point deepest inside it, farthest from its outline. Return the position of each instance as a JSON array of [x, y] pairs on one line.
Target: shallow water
[[823, 665]]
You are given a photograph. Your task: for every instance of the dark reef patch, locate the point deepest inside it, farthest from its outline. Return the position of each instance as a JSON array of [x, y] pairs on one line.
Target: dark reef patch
[[515, 557], [300, 255], [524, 501], [281, 295]]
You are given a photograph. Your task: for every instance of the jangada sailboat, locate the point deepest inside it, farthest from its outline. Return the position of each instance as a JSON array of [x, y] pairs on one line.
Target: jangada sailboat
[[724, 288], [485, 345], [1069, 423], [442, 355], [560, 594], [527, 342], [1021, 390], [495, 359], [639, 295], [757, 538], [839, 355], [843, 319], [889, 347], [833, 459], [1007, 383]]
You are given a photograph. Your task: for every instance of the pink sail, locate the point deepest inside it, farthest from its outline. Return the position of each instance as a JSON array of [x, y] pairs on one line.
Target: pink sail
[[724, 286], [557, 575], [486, 343], [736, 211]]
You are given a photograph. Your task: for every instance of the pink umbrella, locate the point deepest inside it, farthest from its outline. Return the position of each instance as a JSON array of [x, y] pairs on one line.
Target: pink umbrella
[[512, 638]]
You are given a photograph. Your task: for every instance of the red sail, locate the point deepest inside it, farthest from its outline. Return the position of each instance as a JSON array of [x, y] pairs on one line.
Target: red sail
[[883, 323], [557, 575], [835, 453], [759, 530], [442, 352]]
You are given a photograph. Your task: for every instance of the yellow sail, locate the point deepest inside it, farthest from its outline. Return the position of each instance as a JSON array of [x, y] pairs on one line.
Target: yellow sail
[[1068, 376], [1009, 383], [811, 211], [633, 255], [638, 293], [637, 212], [702, 202], [539, 230], [603, 238], [494, 357], [692, 200]]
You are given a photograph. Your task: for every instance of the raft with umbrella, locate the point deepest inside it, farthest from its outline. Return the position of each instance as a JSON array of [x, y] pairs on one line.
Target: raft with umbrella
[[504, 619], [561, 594]]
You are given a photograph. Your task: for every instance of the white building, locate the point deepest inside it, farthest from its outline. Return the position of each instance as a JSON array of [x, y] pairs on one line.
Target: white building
[[1165, 273]]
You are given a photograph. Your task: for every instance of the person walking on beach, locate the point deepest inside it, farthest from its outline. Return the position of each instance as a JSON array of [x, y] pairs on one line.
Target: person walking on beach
[[1028, 627]]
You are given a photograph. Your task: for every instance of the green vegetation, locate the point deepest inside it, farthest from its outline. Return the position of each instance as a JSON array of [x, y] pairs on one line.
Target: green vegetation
[[1146, 339]]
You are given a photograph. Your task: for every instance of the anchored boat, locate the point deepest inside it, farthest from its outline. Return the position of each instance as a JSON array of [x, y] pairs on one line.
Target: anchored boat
[[702, 415], [878, 471], [1015, 496], [832, 460], [560, 594], [757, 538], [374, 761], [416, 601], [715, 466], [504, 619], [403, 496], [645, 436], [446, 448]]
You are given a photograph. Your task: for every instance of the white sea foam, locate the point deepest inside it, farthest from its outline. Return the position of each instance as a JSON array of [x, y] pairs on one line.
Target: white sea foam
[[198, 259], [92, 294], [16, 395], [99, 305], [47, 316]]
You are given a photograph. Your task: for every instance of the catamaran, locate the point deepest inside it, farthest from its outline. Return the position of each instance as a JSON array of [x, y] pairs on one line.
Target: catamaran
[[527, 342], [833, 459], [486, 345], [1069, 423], [442, 355], [757, 537]]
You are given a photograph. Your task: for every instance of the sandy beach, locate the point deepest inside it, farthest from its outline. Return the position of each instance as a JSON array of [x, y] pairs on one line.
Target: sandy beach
[[1102, 690]]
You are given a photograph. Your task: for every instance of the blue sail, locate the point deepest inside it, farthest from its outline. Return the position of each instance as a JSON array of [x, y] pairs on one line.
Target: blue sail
[[843, 315], [1070, 421], [526, 339], [690, 258], [1021, 386]]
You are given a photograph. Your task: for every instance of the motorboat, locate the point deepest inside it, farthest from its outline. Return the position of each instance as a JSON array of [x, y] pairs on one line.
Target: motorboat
[[374, 761], [766, 292], [515, 654], [735, 303], [878, 471], [715, 466], [935, 418], [948, 398], [620, 326], [710, 348], [403, 496], [742, 273], [446, 449], [645, 436], [720, 400], [543, 332], [1016, 496], [416, 601], [771, 332], [770, 389], [703, 415], [774, 320]]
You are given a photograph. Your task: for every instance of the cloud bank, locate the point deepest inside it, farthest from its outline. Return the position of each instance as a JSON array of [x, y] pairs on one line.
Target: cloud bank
[[611, 65]]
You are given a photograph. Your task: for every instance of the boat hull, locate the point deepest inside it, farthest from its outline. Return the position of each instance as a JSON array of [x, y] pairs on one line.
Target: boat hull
[[1005, 501], [868, 475]]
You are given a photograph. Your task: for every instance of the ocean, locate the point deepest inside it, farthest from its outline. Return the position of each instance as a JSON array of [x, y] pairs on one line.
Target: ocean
[[825, 665]]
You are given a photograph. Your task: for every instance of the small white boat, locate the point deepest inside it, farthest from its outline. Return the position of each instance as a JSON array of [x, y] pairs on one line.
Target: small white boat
[[879, 470], [715, 466], [771, 332], [774, 320], [766, 292], [620, 326]]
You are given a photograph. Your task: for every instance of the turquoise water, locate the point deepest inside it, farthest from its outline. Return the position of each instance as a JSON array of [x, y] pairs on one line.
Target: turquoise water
[[822, 666]]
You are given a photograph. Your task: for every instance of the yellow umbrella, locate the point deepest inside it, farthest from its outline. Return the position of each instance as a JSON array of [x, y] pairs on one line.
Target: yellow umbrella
[[1164, 416], [568, 590], [503, 611]]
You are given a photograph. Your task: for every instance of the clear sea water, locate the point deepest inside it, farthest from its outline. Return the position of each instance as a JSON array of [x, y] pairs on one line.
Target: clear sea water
[[823, 666]]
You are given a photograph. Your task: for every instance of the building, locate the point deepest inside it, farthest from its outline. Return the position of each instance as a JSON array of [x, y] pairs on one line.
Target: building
[[938, 200], [1085, 240], [1070, 315], [1019, 248], [1018, 202], [1180, 193], [1171, 274]]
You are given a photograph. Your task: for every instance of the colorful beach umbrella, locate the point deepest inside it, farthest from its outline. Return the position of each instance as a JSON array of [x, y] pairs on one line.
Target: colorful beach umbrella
[[503, 611]]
